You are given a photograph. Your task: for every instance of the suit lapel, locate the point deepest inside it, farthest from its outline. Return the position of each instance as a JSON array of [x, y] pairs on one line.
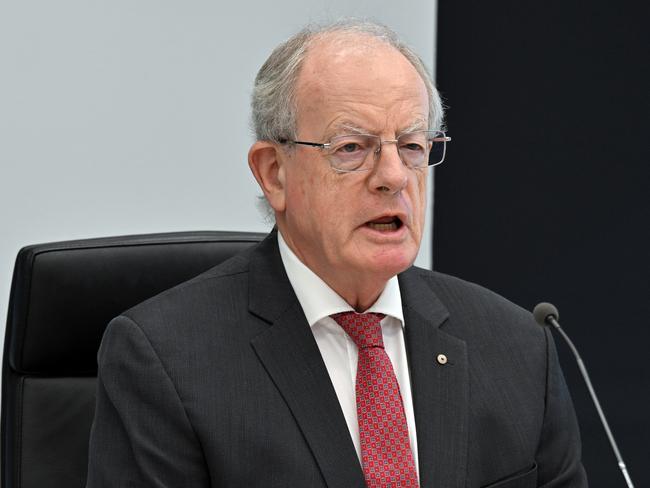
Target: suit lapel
[[440, 391], [289, 352]]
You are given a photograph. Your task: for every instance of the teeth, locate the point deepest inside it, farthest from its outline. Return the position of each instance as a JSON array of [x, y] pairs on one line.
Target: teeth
[[383, 227]]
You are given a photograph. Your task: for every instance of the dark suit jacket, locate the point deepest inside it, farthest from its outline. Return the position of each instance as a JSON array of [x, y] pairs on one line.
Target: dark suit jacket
[[219, 382]]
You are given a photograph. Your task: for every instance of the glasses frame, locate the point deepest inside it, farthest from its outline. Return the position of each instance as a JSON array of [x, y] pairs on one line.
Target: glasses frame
[[326, 145]]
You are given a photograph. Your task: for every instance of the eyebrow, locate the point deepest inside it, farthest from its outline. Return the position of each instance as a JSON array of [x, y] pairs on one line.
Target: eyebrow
[[417, 125], [351, 128], [346, 126]]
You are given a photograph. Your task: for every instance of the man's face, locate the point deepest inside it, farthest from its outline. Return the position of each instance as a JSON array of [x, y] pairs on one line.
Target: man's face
[[366, 225]]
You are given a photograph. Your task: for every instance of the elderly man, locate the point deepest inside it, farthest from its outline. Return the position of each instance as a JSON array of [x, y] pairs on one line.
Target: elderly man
[[321, 357]]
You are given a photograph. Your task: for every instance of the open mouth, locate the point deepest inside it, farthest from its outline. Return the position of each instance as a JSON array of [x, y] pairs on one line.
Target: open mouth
[[385, 224]]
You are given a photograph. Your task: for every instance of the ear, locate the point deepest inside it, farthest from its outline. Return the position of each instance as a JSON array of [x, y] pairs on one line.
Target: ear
[[266, 163]]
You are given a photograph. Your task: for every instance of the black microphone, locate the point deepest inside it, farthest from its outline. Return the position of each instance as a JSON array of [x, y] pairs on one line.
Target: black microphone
[[546, 314]]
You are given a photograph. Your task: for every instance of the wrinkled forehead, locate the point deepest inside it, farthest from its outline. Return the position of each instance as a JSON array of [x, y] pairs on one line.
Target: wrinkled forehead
[[358, 71]]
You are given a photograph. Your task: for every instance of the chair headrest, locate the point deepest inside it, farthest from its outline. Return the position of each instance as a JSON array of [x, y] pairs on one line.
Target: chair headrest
[[64, 294]]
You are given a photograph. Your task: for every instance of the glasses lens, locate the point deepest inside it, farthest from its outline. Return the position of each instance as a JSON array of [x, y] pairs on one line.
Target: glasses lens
[[438, 148], [415, 147], [348, 153]]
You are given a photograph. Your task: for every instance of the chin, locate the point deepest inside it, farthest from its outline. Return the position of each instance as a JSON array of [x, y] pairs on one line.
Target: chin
[[392, 263]]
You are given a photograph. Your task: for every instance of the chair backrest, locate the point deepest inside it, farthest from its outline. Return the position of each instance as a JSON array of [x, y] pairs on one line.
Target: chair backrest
[[62, 297]]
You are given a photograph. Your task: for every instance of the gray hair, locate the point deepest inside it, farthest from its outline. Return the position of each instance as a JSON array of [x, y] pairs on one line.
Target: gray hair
[[274, 92]]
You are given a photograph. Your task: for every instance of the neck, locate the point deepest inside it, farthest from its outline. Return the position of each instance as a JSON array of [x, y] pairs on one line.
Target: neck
[[359, 294], [359, 298], [359, 290]]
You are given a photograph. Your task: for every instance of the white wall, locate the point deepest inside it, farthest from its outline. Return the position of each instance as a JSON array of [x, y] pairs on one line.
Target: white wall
[[131, 116]]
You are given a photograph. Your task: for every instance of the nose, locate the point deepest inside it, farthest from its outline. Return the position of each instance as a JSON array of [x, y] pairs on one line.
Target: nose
[[389, 174]]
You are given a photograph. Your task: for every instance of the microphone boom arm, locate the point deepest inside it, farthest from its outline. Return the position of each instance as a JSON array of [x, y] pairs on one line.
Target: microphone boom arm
[[550, 319]]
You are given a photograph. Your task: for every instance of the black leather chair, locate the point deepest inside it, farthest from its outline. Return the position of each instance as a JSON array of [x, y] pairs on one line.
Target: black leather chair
[[62, 297]]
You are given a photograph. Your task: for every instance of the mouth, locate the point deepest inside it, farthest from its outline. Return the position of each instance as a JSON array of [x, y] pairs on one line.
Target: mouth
[[389, 223]]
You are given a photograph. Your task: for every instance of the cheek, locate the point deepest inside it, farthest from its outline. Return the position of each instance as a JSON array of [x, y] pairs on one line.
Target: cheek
[[310, 199], [423, 177], [298, 202], [298, 186], [309, 185], [420, 198]]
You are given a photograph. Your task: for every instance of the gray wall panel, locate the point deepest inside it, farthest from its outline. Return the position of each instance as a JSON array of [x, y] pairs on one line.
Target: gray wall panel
[[132, 117]]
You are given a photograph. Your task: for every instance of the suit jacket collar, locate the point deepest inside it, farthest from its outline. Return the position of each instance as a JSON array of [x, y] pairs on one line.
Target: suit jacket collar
[[289, 352], [270, 293], [440, 386], [290, 355]]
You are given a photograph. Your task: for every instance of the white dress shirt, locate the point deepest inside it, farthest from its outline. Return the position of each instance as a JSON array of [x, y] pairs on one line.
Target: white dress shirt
[[339, 352]]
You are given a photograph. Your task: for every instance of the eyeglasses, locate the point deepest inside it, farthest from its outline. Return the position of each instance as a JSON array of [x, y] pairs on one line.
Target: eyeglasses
[[349, 153]]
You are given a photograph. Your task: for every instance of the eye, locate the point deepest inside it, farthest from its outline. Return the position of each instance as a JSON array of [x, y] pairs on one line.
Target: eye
[[350, 151], [413, 147], [350, 147], [417, 142]]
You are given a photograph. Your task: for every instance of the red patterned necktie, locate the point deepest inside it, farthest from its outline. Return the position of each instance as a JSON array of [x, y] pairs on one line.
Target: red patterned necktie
[[385, 449]]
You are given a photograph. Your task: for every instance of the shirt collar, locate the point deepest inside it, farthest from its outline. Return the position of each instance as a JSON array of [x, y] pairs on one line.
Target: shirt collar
[[318, 300]]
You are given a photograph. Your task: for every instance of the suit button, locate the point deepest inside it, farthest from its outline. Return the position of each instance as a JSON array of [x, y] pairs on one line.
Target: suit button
[[442, 359]]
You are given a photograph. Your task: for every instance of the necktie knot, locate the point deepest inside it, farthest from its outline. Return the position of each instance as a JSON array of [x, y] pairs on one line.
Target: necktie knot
[[363, 328]]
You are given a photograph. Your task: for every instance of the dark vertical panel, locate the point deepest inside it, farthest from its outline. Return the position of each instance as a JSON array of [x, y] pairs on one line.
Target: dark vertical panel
[[545, 193]]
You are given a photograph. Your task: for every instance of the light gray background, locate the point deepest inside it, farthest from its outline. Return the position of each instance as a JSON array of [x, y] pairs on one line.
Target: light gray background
[[131, 116]]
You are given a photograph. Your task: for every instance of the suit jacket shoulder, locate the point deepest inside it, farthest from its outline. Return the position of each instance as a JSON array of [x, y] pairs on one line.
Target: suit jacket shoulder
[[219, 382], [215, 284], [502, 388], [469, 304]]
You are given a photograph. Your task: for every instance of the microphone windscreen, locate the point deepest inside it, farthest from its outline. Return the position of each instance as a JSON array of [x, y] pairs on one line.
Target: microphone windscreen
[[542, 311]]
